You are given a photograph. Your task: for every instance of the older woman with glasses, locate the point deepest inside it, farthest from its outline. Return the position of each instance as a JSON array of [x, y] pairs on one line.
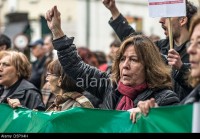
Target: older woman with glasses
[[15, 71], [67, 93], [138, 71]]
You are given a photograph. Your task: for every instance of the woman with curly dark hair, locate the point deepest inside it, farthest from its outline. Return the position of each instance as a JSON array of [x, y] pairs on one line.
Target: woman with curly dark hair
[[139, 72]]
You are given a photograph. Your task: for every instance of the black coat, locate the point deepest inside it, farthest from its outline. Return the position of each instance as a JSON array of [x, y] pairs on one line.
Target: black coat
[[38, 67], [28, 95], [98, 83], [194, 96], [180, 86]]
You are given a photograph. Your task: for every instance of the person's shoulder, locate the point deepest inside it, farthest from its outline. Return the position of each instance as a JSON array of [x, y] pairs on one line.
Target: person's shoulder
[[166, 97], [193, 96], [164, 92], [162, 89], [26, 85], [162, 42]]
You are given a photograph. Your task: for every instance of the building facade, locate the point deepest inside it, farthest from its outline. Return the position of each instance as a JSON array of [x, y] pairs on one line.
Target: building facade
[[86, 20]]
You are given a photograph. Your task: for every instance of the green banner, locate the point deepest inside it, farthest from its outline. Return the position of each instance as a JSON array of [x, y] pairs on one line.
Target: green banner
[[168, 119]]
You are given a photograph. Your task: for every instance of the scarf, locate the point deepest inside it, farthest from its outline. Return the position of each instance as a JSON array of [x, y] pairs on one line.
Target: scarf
[[129, 93], [77, 100]]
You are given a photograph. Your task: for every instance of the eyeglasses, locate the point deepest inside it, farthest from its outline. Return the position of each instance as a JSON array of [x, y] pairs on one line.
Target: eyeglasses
[[4, 64], [52, 74]]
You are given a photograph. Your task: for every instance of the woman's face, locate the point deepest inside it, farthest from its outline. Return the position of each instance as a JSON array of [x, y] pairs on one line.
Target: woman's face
[[8, 73], [194, 52], [131, 70], [53, 81]]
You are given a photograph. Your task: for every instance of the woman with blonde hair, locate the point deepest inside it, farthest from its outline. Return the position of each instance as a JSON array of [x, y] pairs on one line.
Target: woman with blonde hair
[[15, 71]]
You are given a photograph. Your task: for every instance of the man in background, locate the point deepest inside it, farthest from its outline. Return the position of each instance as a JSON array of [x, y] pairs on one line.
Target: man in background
[[38, 65]]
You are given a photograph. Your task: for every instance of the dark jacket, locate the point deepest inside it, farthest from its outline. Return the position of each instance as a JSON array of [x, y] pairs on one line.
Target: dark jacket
[[28, 95], [98, 83], [194, 96], [180, 86], [38, 67]]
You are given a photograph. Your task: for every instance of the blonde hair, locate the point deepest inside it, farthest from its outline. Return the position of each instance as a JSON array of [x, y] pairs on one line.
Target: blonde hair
[[195, 21], [19, 61]]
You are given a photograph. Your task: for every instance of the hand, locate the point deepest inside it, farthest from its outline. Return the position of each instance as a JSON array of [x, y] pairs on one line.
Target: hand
[[133, 113], [143, 107], [174, 59], [14, 103], [110, 4], [146, 105], [54, 22]]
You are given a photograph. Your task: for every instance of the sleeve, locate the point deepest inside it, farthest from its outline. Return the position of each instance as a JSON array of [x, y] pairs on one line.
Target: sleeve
[[181, 77], [33, 100], [88, 77], [167, 97], [121, 27]]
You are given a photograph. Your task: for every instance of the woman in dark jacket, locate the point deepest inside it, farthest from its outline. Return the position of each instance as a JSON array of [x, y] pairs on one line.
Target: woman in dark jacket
[[176, 57], [14, 72], [194, 57], [138, 72]]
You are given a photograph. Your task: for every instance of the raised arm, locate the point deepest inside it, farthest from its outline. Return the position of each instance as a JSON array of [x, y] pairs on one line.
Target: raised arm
[[110, 4], [86, 76], [54, 22], [118, 22]]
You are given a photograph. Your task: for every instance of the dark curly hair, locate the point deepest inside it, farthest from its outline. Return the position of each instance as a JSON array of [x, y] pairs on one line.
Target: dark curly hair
[[5, 40], [157, 73], [191, 10]]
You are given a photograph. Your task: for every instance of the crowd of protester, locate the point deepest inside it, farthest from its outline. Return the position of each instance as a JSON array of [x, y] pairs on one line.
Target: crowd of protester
[[139, 73]]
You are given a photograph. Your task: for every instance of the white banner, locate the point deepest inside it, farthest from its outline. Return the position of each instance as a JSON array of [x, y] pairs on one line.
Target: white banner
[[196, 116], [167, 8]]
